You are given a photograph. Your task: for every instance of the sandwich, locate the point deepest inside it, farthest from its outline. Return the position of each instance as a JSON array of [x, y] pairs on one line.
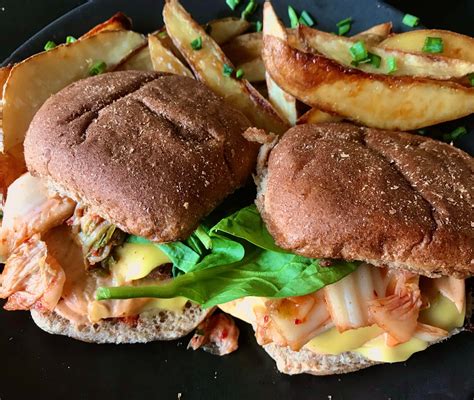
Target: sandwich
[[356, 252], [121, 167]]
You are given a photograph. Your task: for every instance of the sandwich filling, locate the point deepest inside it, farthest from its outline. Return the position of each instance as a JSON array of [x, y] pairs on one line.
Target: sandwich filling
[[326, 306]]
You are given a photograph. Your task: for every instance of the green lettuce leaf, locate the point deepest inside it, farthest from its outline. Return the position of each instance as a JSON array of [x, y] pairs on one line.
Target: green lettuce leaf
[[241, 260], [261, 273]]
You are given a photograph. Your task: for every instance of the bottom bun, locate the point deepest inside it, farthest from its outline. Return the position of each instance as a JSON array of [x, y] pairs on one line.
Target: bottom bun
[[150, 326], [305, 361]]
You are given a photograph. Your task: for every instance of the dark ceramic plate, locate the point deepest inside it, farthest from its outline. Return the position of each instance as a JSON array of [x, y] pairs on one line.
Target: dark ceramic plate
[[38, 365]]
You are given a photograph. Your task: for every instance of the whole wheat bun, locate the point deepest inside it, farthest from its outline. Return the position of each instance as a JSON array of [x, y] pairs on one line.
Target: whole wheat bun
[[305, 361], [150, 326], [336, 190], [152, 153]]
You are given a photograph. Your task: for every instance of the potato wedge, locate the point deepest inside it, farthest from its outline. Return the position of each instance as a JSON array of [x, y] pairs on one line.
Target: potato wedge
[[254, 71], [455, 45], [374, 100], [32, 81], [416, 65], [208, 66], [244, 48], [225, 29], [118, 22], [316, 116], [376, 34], [284, 103], [4, 73], [139, 60], [163, 60]]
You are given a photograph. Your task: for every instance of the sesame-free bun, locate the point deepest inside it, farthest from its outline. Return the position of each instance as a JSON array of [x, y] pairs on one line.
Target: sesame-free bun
[[337, 190], [152, 153]]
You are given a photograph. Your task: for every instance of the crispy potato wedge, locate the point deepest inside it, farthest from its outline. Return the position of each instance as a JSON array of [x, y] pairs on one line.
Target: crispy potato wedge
[[225, 29], [455, 45], [12, 166], [254, 71], [32, 81], [375, 100], [316, 116], [139, 60], [244, 48], [284, 103], [118, 22], [163, 60], [208, 66], [409, 64], [376, 34], [4, 73]]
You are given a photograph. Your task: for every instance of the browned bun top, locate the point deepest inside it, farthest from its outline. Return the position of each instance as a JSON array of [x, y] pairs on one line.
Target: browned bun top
[[337, 190], [153, 153]]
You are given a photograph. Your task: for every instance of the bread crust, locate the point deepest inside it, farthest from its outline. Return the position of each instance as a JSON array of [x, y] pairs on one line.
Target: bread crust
[[153, 153], [305, 361], [336, 190], [150, 326]]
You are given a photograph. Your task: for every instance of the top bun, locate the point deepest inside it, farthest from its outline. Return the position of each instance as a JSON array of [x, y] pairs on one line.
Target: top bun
[[337, 190], [152, 153]]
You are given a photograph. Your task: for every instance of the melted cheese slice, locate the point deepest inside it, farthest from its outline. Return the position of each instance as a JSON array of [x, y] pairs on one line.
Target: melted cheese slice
[[368, 341], [136, 261]]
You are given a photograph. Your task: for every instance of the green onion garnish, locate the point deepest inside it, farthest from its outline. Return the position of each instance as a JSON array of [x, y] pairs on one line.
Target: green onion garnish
[[375, 60], [344, 26], [239, 73], [196, 44], [359, 51], [249, 9], [293, 17], [227, 70], [232, 3], [456, 134], [258, 26], [163, 35], [471, 79], [391, 64], [410, 20], [49, 45], [70, 39], [97, 68], [433, 45], [306, 19]]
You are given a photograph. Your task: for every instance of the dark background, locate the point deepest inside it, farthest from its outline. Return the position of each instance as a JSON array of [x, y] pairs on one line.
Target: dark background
[[36, 365]]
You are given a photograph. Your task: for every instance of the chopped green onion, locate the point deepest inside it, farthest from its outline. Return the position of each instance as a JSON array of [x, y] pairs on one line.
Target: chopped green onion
[[344, 26], [471, 79], [196, 44], [227, 70], [306, 19], [249, 9], [97, 68], [239, 73], [392, 64], [258, 26], [433, 45], [359, 51], [49, 45], [410, 20], [70, 39], [163, 35], [345, 21], [456, 134], [232, 3], [293, 17], [375, 60]]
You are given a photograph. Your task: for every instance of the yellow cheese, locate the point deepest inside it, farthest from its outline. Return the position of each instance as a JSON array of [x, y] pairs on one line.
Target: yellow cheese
[[334, 342], [175, 304], [135, 261], [377, 350], [443, 314]]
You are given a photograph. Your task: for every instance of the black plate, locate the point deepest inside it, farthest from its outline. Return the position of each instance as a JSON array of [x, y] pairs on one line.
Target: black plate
[[38, 365]]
